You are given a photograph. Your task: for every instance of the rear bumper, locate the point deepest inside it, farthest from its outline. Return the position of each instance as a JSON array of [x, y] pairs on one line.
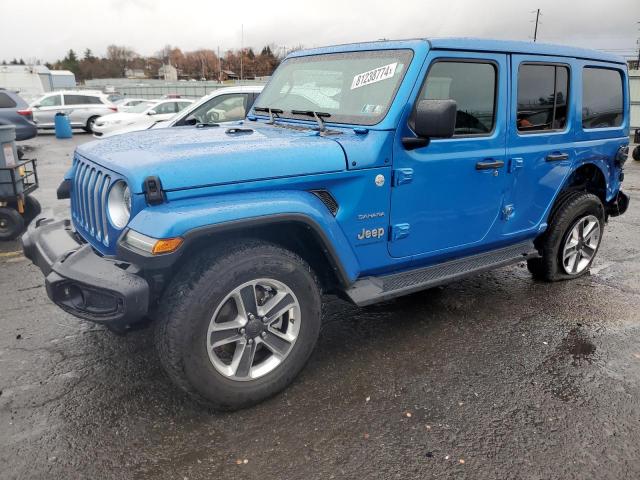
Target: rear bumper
[[83, 283]]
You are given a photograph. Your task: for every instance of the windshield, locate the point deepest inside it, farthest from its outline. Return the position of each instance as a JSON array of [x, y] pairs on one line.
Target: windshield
[[353, 87], [141, 107]]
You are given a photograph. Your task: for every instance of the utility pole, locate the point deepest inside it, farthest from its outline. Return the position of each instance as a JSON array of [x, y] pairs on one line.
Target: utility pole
[[219, 66], [535, 32], [241, 49]]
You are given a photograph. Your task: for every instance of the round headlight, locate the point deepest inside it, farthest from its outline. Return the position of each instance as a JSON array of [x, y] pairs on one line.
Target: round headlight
[[119, 204]]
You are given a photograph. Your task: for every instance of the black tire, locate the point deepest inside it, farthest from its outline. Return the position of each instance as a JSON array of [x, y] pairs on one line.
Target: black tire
[[11, 223], [32, 208], [636, 153], [185, 312], [570, 208], [89, 126]]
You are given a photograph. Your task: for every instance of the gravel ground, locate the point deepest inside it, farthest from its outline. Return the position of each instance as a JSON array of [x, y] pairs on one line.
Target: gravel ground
[[496, 376]]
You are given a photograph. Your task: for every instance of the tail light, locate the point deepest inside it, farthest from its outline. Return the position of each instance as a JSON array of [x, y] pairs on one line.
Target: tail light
[[113, 109], [25, 113]]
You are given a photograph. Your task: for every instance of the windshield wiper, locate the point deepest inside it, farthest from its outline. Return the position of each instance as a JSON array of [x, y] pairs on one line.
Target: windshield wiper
[[317, 115], [270, 110]]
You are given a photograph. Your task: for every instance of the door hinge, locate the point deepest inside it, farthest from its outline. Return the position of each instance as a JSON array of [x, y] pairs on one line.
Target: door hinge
[[508, 211], [399, 231], [515, 164], [402, 176]]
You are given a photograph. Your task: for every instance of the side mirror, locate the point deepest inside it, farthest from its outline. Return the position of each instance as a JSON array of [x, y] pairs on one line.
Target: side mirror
[[37, 105], [152, 112], [432, 119], [435, 118], [190, 121]]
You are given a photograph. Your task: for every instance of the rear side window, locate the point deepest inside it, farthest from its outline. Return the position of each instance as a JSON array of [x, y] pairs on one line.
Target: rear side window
[[6, 101], [602, 104], [81, 100], [543, 94], [472, 85]]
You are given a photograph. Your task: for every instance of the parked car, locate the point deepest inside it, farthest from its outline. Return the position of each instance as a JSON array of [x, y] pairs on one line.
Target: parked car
[[15, 111], [140, 117], [125, 104], [370, 170], [82, 106], [225, 104]]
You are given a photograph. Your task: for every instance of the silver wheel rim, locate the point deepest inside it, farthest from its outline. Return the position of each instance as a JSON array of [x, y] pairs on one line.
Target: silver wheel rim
[[581, 245], [253, 329]]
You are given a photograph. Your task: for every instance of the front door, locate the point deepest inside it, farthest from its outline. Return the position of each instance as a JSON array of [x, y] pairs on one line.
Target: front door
[[448, 195], [45, 112]]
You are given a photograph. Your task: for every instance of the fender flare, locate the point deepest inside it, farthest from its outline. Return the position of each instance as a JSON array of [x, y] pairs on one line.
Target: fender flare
[[193, 219]]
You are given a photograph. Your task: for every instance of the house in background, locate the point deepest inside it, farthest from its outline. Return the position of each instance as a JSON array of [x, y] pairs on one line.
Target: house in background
[[135, 73]]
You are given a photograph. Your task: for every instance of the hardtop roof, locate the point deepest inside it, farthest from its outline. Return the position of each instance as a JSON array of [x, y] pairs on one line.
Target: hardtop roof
[[473, 44]]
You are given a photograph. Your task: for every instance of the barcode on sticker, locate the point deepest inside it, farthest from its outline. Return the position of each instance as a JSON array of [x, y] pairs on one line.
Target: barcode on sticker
[[373, 76]]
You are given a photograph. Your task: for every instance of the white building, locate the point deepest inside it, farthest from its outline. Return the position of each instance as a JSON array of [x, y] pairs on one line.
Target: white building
[[168, 73]]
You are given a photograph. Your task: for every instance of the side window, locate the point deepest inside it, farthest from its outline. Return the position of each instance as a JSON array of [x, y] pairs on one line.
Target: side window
[[6, 101], [602, 104], [181, 106], [52, 101], [472, 85], [162, 108], [74, 99], [542, 97]]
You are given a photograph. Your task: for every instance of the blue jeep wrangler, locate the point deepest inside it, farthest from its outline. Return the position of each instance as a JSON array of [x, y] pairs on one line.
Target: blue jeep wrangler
[[369, 171]]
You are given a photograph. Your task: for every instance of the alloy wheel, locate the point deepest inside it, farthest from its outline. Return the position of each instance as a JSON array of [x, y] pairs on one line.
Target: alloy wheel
[[253, 329]]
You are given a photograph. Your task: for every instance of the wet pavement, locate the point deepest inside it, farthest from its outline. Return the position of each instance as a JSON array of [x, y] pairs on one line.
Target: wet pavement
[[496, 376]]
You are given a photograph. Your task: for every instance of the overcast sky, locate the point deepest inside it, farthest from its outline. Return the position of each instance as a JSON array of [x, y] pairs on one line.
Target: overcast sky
[[46, 29]]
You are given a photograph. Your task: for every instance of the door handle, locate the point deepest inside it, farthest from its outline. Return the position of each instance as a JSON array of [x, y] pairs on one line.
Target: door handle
[[489, 165], [557, 157]]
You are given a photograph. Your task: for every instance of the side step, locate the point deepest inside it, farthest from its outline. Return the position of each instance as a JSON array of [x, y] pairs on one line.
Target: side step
[[370, 290]]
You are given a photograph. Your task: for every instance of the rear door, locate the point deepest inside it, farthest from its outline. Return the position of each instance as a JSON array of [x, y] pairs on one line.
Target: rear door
[[447, 195], [541, 144]]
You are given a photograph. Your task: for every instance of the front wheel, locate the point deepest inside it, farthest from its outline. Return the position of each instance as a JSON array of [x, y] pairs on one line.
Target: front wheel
[[90, 124], [237, 324], [573, 237]]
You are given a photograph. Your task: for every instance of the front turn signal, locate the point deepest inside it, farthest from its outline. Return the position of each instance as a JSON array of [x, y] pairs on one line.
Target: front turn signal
[[166, 245]]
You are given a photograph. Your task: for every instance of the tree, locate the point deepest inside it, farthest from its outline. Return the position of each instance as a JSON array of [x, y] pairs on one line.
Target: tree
[[118, 59]]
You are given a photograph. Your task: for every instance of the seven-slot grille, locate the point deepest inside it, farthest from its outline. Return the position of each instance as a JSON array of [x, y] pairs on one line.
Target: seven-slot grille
[[89, 198]]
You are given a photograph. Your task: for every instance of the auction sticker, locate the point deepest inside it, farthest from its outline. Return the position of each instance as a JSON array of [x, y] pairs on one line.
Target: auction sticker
[[373, 76], [8, 154]]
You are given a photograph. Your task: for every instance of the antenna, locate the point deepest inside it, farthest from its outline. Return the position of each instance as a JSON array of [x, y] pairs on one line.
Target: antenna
[[241, 49], [535, 31]]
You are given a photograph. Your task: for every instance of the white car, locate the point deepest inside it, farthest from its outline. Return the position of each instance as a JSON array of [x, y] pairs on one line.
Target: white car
[[226, 104], [126, 104], [140, 117], [83, 107]]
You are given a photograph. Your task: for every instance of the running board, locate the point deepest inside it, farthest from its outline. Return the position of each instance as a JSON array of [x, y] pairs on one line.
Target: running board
[[370, 290]]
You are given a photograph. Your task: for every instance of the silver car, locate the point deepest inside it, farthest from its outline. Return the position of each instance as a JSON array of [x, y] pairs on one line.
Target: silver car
[[83, 108]]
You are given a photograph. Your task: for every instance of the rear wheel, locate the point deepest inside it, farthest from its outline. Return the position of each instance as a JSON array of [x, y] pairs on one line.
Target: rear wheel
[[11, 223], [238, 324], [572, 239], [636, 153]]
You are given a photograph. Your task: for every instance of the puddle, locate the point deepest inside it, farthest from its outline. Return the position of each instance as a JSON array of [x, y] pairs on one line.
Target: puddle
[[578, 345]]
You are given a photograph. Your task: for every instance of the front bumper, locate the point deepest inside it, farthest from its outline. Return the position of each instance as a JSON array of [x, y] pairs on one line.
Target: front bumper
[[83, 283]]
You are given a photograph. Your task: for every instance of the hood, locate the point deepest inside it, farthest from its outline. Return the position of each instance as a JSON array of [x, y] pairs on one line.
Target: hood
[[188, 157]]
